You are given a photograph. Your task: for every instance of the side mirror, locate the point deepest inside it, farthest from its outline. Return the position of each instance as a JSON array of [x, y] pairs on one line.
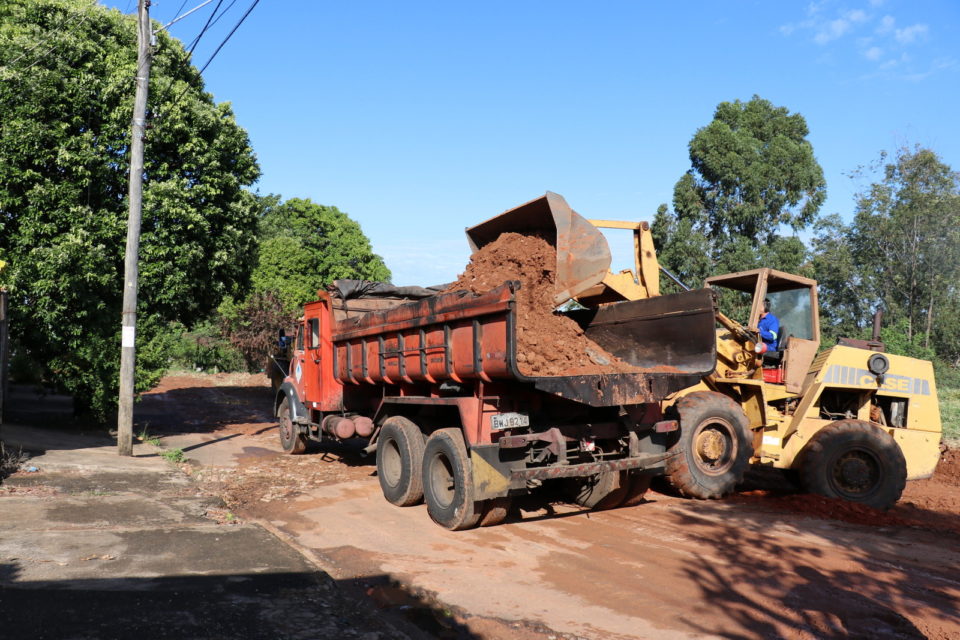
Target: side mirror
[[283, 340]]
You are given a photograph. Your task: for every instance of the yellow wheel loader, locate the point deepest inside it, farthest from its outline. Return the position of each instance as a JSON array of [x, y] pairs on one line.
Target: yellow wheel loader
[[849, 421]]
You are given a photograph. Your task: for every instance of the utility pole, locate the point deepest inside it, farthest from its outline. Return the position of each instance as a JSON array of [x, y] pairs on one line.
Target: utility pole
[[128, 352]]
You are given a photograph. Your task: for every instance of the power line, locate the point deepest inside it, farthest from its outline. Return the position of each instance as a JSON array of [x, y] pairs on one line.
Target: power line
[[229, 35], [219, 47], [196, 41], [59, 29]]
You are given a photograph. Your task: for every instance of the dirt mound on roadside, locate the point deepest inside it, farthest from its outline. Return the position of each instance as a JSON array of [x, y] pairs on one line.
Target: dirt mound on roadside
[[547, 344]]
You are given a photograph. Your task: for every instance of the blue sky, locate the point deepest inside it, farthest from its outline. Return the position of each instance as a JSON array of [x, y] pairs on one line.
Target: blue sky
[[422, 118]]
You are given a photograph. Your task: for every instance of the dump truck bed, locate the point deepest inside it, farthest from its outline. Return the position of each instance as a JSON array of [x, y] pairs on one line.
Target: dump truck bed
[[459, 336]]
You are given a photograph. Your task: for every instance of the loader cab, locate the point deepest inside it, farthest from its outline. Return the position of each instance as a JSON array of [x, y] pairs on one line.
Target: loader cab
[[793, 300]]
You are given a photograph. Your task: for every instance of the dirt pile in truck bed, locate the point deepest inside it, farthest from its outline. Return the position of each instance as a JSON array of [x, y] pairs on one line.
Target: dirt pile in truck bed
[[547, 344]]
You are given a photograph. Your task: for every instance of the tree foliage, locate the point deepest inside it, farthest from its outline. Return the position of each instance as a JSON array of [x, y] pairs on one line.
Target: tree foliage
[[252, 327], [904, 251], [304, 246], [752, 172], [67, 72]]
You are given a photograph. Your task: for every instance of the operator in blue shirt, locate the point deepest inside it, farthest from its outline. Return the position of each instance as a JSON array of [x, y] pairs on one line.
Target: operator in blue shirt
[[769, 327]]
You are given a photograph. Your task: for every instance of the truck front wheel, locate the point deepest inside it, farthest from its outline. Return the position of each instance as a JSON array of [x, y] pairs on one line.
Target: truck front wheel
[[854, 460], [291, 439], [399, 461], [714, 446], [448, 481]]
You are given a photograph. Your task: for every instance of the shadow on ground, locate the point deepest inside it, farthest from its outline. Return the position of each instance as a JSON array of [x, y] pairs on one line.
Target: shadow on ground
[[256, 606]]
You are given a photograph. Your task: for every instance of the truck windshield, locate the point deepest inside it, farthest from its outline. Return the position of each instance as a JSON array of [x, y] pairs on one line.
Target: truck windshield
[[792, 308]]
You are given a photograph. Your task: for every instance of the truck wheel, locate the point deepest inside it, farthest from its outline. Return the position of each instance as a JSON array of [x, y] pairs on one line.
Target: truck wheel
[[291, 439], [605, 490], [714, 446], [495, 511], [448, 481], [639, 485], [399, 461], [855, 461]]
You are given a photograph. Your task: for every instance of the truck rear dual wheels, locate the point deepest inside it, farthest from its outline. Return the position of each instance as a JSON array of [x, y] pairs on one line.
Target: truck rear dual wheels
[[713, 449], [400, 461], [856, 461], [448, 481]]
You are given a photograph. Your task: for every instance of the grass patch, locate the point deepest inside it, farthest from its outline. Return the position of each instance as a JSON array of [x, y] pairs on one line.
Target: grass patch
[[950, 414], [146, 438], [173, 455]]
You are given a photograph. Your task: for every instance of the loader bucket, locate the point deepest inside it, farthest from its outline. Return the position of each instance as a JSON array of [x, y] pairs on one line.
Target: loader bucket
[[669, 334], [583, 256]]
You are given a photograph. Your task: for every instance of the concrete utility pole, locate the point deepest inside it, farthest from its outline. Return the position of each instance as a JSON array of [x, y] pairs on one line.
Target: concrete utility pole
[[128, 352]]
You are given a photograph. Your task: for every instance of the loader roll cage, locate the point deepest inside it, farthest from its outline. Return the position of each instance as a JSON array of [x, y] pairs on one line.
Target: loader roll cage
[[793, 299]]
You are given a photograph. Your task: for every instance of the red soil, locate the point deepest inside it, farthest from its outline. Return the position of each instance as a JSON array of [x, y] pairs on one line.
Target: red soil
[[933, 503], [547, 344]]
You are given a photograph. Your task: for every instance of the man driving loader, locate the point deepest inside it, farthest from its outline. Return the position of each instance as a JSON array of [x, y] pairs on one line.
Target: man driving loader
[[769, 326]]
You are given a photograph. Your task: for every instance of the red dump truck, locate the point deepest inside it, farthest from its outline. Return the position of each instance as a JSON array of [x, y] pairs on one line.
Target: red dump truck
[[431, 381]]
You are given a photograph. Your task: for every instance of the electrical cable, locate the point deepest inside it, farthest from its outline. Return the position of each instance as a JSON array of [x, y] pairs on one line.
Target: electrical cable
[[219, 47], [229, 35], [58, 29]]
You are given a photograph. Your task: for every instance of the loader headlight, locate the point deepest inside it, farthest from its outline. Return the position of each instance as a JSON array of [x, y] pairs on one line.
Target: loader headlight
[[878, 364]]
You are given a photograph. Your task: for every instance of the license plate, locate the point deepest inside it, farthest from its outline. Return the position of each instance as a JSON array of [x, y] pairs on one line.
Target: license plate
[[510, 421]]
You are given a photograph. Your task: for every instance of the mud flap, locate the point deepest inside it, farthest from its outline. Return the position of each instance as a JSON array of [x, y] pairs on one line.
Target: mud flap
[[491, 478]]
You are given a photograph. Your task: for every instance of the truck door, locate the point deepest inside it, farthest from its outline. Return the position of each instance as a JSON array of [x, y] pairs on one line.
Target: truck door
[[309, 360], [298, 360]]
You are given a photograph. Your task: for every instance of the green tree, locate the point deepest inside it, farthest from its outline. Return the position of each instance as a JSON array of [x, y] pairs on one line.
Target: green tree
[[752, 172], [906, 242], [844, 296], [305, 246], [67, 72]]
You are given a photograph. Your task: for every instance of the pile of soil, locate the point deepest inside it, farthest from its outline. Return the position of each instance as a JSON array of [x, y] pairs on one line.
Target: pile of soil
[[548, 344]]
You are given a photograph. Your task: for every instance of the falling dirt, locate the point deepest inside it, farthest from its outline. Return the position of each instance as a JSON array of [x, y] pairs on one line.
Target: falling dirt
[[548, 344]]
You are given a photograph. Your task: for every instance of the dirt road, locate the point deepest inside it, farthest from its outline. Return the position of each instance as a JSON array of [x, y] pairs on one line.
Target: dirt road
[[764, 563]]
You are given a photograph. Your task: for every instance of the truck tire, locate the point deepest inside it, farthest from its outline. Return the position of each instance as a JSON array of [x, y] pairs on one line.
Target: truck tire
[[855, 461], [639, 485], [399, 461], [605, 490], [291, 439], [495, 511], [448, 481], [713, 449]]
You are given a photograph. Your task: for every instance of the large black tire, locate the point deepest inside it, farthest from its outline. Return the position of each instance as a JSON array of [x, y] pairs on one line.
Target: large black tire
[[495, 511], [291, 440], [448, 481], [400, 461], [713, 449], [639, 485], [855, 461], [603, 491]]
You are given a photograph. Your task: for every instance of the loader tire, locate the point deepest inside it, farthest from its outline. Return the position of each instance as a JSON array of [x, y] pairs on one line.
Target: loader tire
[[605, 490], [448, 481], [855, 461], [713, 448], [291, 440], [399, 461]]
